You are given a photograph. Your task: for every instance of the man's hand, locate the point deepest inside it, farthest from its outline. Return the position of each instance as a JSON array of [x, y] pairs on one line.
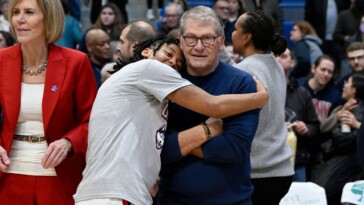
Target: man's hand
[[56, 153], [4, 160], [301, 128], [216, 126]]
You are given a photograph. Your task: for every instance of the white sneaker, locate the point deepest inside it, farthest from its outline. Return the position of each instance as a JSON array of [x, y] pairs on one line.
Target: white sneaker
[[150, 14]]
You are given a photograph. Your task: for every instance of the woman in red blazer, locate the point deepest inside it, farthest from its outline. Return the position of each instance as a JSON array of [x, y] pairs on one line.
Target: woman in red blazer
[[46, 95]]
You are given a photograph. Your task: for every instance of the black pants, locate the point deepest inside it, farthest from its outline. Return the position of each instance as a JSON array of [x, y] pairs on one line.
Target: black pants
[[150, 4], [270, 191]]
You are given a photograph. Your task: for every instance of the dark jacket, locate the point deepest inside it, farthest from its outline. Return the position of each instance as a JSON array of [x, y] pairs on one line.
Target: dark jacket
[[315, 13], [299, 100]]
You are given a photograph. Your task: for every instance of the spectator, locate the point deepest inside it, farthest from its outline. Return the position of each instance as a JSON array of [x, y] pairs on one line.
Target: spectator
[[269, 6], [174, 13], [340, 164], [235, 10], [347, 26], [325, 96], [306, 48], [219, 167], [98, 46], [6, 39], [45, 104], [97, 5], [4, 21], [144, 85], [132, 35], [73, 33], [271, 171], [150, 13], [234, 56], [323, 15], [304, 122], [221, 8], [355, 55], [110, 20]]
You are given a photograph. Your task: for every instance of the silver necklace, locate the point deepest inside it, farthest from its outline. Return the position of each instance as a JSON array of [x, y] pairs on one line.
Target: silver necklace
[[35, 72]]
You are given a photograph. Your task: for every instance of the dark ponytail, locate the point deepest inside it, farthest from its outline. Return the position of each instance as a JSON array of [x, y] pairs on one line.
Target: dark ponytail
[[279, 44]]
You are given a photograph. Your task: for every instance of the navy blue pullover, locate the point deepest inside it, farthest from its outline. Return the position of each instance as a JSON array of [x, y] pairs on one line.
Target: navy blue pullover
[[223, 176]]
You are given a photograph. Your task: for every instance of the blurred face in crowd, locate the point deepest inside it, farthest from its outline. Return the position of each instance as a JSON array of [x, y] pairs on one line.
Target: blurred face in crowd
[[356, 60], [221, 8], [2, 41], [172, 17], [107, 16], [324, 72], [348, 90], [286, 60], [295, 34], [28, 22], [99, 46], [234, 56], [233, 6], [125, 48], [4, 9]]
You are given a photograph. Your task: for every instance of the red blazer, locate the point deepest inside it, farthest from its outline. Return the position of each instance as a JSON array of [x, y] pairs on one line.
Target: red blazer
[[69, 92]]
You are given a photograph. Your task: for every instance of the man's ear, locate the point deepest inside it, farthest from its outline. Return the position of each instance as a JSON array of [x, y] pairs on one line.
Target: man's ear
[[147, 53], [222, 42]]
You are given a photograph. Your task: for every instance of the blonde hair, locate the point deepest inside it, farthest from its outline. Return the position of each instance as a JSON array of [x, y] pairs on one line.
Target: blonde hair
[[53, 18], [305, 28]]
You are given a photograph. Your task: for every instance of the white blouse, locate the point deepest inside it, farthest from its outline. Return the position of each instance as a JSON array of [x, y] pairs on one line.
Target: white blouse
[[25, 157]]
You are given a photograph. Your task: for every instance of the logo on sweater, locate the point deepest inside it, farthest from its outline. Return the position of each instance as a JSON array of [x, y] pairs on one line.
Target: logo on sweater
[[159, 137]]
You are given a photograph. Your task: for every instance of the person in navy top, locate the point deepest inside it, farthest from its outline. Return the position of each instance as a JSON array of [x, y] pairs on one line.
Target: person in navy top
[[217, 171]]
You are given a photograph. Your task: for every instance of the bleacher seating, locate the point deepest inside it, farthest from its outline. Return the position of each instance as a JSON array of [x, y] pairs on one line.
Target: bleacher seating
[[293, 10], [192, 3]]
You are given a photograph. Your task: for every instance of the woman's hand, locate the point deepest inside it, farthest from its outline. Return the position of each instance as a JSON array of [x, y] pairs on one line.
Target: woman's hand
[[56, 153], [348, 118], [261, 89], [4, 160]]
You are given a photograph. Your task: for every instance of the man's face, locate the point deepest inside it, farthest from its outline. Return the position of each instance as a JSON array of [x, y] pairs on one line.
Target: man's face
[[172, 17], [100, 48], [356, 60], [125, 49], [324, 72], [286, 61], [221, 9], [201, 59]]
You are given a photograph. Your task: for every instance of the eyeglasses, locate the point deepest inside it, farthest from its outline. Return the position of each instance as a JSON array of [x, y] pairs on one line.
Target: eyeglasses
[[206, 41], [356, 57], [172, 15]]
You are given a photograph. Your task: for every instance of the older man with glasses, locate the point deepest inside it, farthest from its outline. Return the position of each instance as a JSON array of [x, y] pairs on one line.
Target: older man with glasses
[[174, 13], [216, 171]]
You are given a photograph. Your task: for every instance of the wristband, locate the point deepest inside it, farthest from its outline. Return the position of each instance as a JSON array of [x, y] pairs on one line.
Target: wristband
[[207, 130]]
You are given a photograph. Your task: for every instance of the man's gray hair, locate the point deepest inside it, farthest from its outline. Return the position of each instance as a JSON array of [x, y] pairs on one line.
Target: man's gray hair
[[202, 14]]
